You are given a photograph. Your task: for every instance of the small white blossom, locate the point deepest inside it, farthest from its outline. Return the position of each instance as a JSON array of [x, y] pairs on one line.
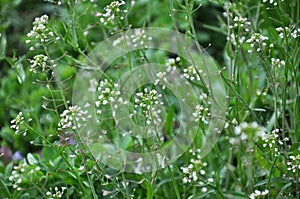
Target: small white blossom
[[246, 132], [73, 118], [288, 32], [17, 124], [162, 77], [191, 73], [272, 2], [113, 14], [277, 63], [272, 141], [108, 93], [258, 194], [293, 163], [56, 192], [40, 31], [257, 41], [147, 101], [195, 172], [39, 62]]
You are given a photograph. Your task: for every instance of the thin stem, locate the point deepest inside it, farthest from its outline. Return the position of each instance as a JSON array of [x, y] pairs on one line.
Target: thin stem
[[61, 154], [230, 50], [174, 182], [270, 174], [57, 81]]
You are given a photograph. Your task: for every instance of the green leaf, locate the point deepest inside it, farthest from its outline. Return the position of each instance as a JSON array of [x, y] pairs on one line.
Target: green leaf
[[126, 142], [48, 153], [169, 120], [273, 180], [4, 190], [236, 195], [215, 28], [20, 70], [57, 162], [3, 45], [72, 174], [86, 184], [201, 195], [282, 190], [25, 196], [8, 169], [31, 159], [149, 188]]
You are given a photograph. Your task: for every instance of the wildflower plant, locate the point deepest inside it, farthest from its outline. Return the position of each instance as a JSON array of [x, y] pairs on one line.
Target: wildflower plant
[[18, 124], [113, 16], [105, 104]]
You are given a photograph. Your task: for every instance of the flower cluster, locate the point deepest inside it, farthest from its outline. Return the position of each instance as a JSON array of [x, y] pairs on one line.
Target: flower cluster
[[113, 14], [274, 2], [287, 32], [257, 41], [15, 177], [40, 62], [277, 63], [201, 112], [40, 30], [240, 26], [191, 73], [195, 171], [138, 39], [147, 102], [73, 118], [242, 22], [272, 141], [108, 93], [54, 1], [172, 63], [18, 124], [294, 163], [258, 194], [93, 85], [161, 79], [246, 132], [56, 193], [21, 173], [171, 68]]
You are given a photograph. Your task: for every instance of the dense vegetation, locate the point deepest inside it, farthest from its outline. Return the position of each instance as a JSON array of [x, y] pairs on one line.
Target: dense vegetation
[[150, 99]]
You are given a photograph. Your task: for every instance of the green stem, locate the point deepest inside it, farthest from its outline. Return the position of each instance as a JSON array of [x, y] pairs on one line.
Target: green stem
[[174, 182], [270, 174], [57, 81], [61, 154]]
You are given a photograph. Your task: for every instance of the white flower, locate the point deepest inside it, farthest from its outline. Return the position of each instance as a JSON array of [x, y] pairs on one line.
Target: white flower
[[288, 32], [185, 170], [108, 18], [258, 193], [81, 168], [16, 123], [39, 62], [40, 30], [73, 118], [191, 73], [294, 163], [147, 102], [277, 63], [257, 41]]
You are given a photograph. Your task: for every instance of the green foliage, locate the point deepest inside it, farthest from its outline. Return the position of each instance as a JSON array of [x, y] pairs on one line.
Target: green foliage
[[44, 46]]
